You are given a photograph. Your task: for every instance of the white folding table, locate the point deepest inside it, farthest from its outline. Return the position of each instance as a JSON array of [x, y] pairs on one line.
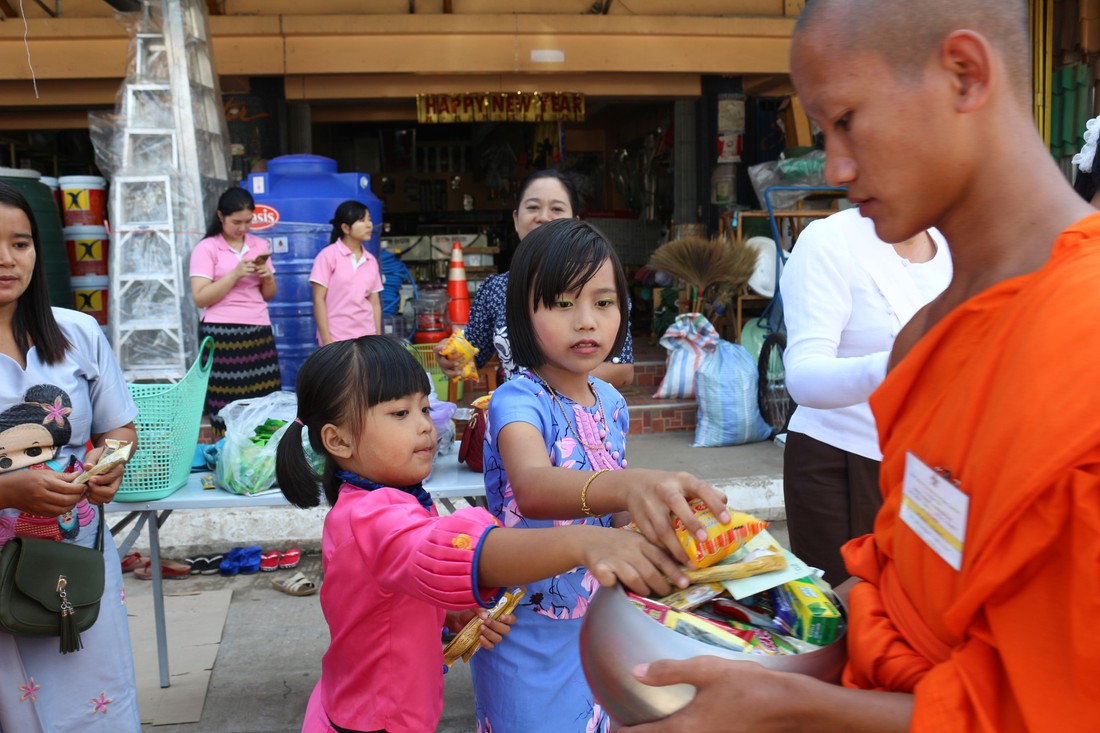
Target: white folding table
[[448, 480]]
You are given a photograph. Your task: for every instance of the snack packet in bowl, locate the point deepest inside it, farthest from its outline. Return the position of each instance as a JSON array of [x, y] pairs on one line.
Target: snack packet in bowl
[[722, 539]]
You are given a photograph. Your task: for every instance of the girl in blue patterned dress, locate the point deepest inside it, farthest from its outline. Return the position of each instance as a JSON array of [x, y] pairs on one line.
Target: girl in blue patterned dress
[[555, 454]]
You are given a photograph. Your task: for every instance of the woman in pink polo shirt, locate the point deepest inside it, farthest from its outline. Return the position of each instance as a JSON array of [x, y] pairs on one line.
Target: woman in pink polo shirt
[[232, 279], [346, 279]]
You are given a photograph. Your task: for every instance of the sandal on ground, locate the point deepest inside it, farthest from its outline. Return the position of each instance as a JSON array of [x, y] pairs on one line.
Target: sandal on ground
[[296, 585], [251, 559], [231, 562], [169, 569], [241, 560], [204, 564], [269, 561], [211, 565], [132, 561], [290, 559]]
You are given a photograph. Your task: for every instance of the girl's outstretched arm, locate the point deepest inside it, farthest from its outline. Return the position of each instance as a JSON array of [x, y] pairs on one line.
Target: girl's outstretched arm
[[545, 491], [515, 556]]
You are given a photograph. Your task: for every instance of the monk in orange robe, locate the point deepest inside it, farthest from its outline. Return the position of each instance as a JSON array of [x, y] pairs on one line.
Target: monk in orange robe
[[979, 590]]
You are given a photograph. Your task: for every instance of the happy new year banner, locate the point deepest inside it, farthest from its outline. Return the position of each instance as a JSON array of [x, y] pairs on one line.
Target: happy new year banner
[[501, 107]]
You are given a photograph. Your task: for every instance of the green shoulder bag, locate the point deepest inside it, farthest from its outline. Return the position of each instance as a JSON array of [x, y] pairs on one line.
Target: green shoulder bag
[[50, 588]]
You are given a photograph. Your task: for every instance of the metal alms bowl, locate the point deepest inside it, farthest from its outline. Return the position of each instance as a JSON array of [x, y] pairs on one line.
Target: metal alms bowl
[[616, 636]]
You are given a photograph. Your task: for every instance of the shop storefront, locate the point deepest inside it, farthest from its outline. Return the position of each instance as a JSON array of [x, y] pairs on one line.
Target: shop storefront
[[449, 105]]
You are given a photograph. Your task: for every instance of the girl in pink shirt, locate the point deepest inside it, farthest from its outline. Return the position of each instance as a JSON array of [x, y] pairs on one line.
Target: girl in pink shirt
[[346, 279], [395, 570], [232, 279]]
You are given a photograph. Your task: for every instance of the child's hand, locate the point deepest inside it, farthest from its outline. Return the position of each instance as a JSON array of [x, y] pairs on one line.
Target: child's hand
[[615, 555], [662, 494], [494, 630]]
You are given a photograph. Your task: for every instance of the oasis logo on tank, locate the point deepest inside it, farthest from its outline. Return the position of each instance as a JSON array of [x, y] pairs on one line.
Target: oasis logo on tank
[[263, 217]]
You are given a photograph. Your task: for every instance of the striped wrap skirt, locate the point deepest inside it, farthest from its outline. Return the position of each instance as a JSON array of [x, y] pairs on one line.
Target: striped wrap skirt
[[245, 366]]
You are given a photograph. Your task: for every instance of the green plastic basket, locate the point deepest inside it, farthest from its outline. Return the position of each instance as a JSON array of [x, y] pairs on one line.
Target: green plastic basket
[[168, 422]]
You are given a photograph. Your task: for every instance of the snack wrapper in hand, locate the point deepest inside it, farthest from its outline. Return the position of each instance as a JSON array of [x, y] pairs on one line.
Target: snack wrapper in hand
[[722, 539], [462, 352], [115, 452], [466, 642]]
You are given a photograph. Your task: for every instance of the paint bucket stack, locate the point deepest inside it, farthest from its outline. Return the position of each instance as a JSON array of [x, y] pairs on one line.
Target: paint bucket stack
[[83, 209], [459, 308], [83, 200]]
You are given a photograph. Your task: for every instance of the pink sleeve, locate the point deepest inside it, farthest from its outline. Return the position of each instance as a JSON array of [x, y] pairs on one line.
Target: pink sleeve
[[426, 556], [202, 260], [322, 268]]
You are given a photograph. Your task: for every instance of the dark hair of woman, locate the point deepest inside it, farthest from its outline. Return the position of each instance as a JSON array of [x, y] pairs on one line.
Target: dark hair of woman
[[33, 323], [566, 180], [337, 384], [348, 213], [229, 203], [558, 257]]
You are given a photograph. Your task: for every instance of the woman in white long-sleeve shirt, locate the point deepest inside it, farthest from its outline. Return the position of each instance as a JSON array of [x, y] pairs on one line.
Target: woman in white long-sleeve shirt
[[846, 295]]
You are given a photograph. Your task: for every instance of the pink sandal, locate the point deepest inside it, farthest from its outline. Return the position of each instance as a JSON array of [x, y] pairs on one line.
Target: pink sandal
[[132, 561], [269, 562], [290, 559]]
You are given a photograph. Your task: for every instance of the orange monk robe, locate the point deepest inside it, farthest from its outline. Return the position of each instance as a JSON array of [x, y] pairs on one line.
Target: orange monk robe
[[1005, 394]]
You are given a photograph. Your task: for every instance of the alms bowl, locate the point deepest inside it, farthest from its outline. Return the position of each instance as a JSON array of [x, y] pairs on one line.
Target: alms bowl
[[616, 636]]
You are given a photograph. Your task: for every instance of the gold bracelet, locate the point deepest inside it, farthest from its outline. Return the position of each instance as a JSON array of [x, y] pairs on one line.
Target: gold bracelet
[[584, 493]]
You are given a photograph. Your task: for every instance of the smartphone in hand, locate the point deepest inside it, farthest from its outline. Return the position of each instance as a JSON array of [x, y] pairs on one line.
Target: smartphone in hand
[[261, 259]]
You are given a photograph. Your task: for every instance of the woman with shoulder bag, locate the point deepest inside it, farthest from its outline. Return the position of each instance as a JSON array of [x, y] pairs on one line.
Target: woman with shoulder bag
[[60, 387]]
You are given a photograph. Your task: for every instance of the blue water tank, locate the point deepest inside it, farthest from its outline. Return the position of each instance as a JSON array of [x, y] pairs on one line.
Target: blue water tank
[[295, 201]]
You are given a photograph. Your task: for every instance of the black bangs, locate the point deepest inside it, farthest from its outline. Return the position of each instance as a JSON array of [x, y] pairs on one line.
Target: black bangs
[[387, 371], [558, 257]]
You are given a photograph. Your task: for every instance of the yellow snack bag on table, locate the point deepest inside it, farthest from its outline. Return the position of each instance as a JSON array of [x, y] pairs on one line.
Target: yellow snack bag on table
[[459, 350]]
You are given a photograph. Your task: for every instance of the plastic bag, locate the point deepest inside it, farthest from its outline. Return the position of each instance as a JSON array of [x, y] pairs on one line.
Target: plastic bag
[[688, 339], [805, 170], [246, 462], [441, 413], [725, 389]]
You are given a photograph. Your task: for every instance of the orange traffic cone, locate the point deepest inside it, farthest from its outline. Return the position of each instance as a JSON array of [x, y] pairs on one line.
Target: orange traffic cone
[[459, 308]]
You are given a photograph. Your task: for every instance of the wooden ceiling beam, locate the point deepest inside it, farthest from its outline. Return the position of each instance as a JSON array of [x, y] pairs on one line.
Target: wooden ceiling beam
[[329, 87]]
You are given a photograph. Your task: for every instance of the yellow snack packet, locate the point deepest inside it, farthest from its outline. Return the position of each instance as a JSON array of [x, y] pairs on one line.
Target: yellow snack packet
[[115, 452], [466, 642], [722, 539], [459, 350]]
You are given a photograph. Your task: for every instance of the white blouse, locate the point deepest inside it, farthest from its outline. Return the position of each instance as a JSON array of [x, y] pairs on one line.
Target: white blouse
[[846, 295]]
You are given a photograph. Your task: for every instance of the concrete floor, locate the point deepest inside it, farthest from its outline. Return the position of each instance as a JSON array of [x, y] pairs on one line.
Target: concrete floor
[[269, 658]]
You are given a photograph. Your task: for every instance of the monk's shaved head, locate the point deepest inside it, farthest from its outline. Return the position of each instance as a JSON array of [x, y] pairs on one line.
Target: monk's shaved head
[[906, 32]]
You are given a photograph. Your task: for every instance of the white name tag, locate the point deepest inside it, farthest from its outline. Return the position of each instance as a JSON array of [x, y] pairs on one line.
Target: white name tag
[[936, 509]]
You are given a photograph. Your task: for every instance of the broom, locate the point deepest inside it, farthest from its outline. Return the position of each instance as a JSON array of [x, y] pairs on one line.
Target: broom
[[725, 266]]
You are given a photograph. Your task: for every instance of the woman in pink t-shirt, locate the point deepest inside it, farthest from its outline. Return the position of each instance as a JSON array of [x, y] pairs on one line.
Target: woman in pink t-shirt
[[232, 278], [346, 279]]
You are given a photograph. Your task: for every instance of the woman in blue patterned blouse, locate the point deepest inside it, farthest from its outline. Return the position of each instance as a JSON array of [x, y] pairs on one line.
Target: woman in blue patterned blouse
[[545, 195]]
